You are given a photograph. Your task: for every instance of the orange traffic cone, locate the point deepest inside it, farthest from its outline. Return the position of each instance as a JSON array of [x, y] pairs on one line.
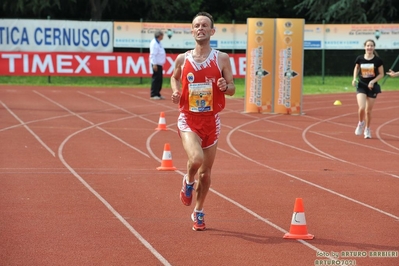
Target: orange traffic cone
[[162, 122], [166, 164], [298, 228]]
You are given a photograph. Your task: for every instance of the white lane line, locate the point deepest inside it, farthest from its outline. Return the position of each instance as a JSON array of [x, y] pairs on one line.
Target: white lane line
[[292, 176], [379, 136], [33, 121], [352, 143], [339, 159], [284, 144], [120, 108], [51, 118], [93, 191], [105, 202], [275, 226], [91, 123], [236, 203], [29, 130], [303, 180]]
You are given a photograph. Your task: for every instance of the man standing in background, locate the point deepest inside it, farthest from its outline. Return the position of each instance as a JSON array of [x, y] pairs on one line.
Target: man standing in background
[[157, 60]]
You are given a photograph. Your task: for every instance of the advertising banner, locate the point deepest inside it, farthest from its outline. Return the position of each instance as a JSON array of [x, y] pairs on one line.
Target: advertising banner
[[93, 64], [234, 36], [35, 35], [274, 75], [260, 58], [351, 36], [177, 35], [288, 72], [314, 37]]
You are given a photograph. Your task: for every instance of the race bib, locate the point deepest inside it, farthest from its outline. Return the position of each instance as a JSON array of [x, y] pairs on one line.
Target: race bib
[[200, 97]]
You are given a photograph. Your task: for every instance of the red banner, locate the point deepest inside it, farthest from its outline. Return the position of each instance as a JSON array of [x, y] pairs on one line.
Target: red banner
[[92, 64]]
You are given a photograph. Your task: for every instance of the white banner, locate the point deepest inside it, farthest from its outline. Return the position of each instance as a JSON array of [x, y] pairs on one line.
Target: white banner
[[32, 35], [234, 36], [87, 36], [177, 35], [351, 36]]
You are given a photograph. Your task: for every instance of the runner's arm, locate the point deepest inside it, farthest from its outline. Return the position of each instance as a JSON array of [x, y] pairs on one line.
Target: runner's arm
[[175, 82], [226, 83]]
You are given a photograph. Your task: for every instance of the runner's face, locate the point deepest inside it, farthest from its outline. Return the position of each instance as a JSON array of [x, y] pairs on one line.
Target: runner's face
[[201, 28], [369, 47]]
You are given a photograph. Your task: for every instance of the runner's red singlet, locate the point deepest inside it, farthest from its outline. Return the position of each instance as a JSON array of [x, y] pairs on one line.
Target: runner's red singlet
[[201, 100]]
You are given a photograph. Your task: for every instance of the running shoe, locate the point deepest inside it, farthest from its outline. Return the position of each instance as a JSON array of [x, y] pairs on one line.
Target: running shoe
[[359, 128], [199, 221], [367, 133], [186, 193]]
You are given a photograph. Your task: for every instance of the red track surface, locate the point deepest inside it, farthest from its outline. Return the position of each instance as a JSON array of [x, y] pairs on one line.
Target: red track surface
[[79, 184]]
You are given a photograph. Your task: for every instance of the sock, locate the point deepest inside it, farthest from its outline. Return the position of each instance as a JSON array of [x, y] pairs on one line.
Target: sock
[[190, 184], [198, 210]]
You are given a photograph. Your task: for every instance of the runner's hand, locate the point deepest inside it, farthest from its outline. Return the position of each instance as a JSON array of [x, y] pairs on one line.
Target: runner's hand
[[222, 84], [176, 97]]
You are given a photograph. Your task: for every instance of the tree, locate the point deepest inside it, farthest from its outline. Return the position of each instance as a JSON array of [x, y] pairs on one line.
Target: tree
[[224, 11], [97, 8], [172, 10], [55, 9], [350, 11], [35, 8]]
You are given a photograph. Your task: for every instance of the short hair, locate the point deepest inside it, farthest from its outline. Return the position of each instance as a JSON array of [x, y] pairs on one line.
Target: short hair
[[158, 33], [205, 14]]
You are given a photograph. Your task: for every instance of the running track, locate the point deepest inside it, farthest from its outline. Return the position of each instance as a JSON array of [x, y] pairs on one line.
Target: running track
[[79, 185]]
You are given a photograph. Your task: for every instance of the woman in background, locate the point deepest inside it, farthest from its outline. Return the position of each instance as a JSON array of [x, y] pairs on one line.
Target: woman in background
[[368, 71]]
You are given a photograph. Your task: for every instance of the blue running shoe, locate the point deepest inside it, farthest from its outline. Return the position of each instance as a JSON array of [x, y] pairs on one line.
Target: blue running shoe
[[199, 221]]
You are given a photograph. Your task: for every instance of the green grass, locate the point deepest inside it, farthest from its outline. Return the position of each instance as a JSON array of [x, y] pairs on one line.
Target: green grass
[[316, 84], [311, 84]]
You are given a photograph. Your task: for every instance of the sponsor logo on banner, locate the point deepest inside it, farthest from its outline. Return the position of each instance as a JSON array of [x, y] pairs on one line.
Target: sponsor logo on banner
[[55, 35], [260, 58], [234, 36], [93, 64], [350, 36], [289, 66], [275, 66], [177, 35]]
